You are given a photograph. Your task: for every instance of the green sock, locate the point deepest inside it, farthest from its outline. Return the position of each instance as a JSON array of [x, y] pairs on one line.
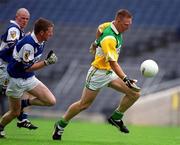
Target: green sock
[[117, 115], [63, 123]]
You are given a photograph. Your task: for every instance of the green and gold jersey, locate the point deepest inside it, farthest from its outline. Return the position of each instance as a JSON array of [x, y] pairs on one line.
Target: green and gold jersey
[[109, 44], [103, 26]]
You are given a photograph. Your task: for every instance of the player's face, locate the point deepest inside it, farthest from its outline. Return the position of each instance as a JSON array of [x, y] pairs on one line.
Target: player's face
[[47, 34], [22, 19], [124, 24]]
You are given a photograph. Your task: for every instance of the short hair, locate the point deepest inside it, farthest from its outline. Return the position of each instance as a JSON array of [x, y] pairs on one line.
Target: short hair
[[42, 24], [122, 13], [22, 11]]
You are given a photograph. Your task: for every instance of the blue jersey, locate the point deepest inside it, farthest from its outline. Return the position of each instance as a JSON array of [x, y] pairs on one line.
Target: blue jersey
[[26, 52], [9, 39]]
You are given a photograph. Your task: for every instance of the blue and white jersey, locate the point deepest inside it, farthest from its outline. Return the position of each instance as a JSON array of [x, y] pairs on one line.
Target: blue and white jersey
[[26, 52], [12, 34]]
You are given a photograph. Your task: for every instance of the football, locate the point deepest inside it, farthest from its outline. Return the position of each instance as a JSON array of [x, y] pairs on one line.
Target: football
[[149, 68]]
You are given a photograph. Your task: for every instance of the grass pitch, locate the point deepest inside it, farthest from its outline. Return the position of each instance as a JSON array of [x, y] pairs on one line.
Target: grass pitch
[[85, 133]]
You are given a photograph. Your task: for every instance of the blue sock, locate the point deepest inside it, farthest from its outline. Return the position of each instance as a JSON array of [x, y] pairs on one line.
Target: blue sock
[[22, 116], [25, 103]]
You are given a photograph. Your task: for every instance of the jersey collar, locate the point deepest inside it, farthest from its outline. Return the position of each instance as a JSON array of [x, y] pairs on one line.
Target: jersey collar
[[114, 28], [35, 38], [14, 22]]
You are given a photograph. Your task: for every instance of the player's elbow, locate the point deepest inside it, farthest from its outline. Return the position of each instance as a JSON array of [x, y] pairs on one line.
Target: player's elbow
[[52, 102]]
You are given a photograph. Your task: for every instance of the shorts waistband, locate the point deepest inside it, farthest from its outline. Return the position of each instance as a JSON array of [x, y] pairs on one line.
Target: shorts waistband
[[107, 71]]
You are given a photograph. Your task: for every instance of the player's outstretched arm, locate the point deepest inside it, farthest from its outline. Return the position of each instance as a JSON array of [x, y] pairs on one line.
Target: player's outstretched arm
[[129, 82], [51, 59]]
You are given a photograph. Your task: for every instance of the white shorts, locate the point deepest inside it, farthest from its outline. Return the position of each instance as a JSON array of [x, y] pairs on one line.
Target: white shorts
[[97, 79], [17, 86]]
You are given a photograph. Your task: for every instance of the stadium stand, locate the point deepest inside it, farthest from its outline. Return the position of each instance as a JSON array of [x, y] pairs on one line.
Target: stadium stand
[[154, 35]]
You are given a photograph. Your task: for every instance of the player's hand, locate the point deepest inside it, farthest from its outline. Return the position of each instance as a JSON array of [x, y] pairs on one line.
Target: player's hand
[[131, 83], [51, 58], [92, 48]]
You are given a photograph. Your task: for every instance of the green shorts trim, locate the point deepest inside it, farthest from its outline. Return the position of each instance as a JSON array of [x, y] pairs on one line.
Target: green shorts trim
[[97, 78]]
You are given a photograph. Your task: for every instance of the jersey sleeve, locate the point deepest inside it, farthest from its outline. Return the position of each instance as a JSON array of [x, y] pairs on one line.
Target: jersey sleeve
[[13, 34], [27, 53], [103, 26], [108, 45]]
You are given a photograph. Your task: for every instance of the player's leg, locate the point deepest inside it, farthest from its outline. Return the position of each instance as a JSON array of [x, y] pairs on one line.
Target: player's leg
[[95, 80], [3, 86], [2, 101], [127, 101], [14, 111], [23, 121], [86, 100], [42, 96], [130, 96]]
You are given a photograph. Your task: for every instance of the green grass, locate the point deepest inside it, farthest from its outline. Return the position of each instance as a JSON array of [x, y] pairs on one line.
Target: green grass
[[85, 133]]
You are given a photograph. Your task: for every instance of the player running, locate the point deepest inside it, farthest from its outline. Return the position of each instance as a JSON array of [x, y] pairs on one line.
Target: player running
[[105, 71], [26, 59], [14, 32]]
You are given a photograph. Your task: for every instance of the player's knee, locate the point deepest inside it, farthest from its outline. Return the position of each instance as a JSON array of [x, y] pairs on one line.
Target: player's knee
[[52, 102]]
